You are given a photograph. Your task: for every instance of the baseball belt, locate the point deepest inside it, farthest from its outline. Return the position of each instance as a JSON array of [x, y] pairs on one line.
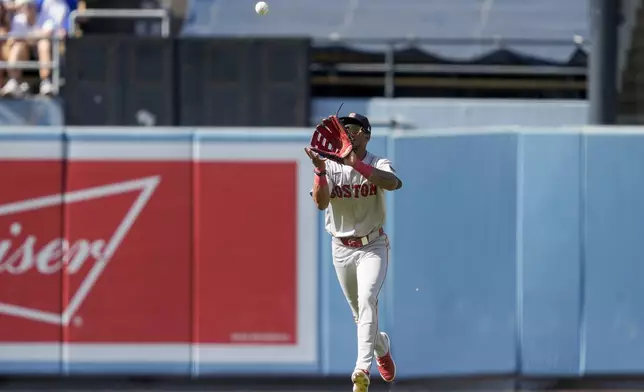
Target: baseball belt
[[359, 242]]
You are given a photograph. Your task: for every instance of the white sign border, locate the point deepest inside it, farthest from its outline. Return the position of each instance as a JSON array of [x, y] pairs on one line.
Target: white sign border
[[210, 149]]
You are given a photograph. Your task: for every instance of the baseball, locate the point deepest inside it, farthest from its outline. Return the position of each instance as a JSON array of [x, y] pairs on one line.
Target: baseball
[[261, 8]]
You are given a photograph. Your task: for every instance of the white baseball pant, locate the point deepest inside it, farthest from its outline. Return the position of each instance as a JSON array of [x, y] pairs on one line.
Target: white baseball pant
[[361, 273]]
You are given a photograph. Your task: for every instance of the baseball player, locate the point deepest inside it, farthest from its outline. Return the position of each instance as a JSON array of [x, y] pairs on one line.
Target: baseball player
[[353, 194]]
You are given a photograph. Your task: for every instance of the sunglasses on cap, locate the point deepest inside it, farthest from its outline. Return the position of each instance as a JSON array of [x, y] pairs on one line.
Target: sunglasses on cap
[[353, 129]]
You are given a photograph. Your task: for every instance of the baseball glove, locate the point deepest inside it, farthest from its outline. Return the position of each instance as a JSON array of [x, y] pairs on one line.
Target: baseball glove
[[331, 140]]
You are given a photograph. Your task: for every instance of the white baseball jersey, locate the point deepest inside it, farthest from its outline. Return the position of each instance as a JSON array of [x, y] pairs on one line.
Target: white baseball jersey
[[356, 207]]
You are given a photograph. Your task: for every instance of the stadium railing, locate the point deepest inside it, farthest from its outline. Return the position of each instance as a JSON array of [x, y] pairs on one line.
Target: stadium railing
[[35, 64], [87, 13], [390, 68], [162, 14]]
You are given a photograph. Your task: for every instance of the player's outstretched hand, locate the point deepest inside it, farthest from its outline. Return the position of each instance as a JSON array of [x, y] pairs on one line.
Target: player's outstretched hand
[[317, 160]]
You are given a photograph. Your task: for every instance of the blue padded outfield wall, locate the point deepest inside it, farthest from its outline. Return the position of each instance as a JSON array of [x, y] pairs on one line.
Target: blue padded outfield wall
[[513, 251]]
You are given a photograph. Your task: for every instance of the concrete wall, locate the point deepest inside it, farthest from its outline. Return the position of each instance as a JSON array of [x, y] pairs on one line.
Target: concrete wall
[[456, 113]]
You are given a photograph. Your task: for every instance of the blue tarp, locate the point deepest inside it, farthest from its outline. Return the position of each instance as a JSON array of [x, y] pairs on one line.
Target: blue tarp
[[458, 30]]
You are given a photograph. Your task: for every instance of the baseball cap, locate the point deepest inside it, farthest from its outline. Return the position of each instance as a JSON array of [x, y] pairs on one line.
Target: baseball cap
[[358, 119]]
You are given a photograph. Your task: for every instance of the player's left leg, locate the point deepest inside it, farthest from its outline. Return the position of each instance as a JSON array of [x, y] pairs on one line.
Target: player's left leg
[[371, 271], [346, 272]]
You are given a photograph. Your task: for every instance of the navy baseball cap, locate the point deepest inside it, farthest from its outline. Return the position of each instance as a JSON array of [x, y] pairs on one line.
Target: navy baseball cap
[[358, 119]]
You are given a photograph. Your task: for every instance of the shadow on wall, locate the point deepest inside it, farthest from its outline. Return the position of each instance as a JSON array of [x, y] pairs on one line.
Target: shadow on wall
[[453, 113]]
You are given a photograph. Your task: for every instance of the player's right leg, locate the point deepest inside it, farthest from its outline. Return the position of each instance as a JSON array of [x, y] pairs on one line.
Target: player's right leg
[[344, 261], [345, 269], [360, 380]]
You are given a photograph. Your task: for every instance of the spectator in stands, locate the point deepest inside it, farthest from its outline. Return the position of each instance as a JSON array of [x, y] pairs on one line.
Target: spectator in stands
[[30, 32]]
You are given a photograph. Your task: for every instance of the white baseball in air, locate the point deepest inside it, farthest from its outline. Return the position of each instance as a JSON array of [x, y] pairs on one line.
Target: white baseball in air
[[261, 8]]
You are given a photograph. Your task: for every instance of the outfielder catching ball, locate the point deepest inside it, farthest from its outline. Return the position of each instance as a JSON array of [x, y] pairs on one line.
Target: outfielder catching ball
[[350, 183]]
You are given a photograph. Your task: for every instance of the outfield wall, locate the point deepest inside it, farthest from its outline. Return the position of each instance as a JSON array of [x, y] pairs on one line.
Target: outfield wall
[[183, 251]]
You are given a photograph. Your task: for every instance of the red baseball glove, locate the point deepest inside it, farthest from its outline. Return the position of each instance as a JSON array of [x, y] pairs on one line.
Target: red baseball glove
[[331, 140]]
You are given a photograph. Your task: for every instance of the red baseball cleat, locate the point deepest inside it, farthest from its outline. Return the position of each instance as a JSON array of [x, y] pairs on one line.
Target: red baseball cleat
[[386, 364]]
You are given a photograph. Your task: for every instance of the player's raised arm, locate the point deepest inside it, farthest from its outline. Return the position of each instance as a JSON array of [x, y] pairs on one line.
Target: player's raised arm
[[320, 193], [381, 175], [384, 179]]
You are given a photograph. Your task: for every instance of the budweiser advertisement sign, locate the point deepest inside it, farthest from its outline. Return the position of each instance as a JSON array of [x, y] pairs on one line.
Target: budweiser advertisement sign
[[156, 251]]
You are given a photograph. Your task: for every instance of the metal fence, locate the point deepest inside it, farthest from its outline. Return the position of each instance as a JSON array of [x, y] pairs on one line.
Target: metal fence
[[391, 51], [162, 14], [55, 64]]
